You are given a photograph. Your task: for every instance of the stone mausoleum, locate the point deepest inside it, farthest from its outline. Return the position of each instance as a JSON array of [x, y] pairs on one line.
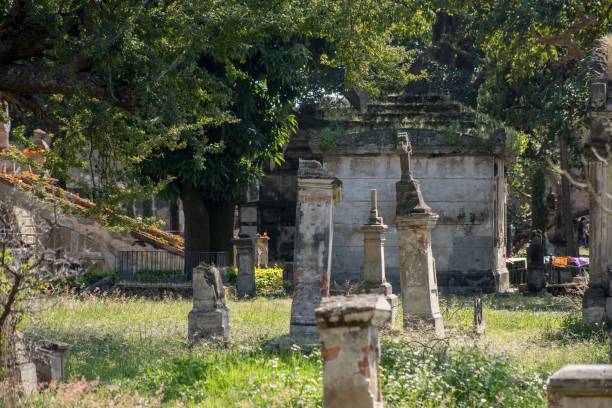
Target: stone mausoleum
[[458, 158]]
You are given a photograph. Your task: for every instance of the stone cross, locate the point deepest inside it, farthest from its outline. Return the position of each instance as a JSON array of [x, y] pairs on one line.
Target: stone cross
[[415, 220], [350, 349], [317, 193], [373, 279], [245, 254], [584, 386], [210, 315]]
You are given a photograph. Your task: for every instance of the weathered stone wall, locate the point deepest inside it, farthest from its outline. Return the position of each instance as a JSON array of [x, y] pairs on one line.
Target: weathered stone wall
[[83, 238], [461, 189]]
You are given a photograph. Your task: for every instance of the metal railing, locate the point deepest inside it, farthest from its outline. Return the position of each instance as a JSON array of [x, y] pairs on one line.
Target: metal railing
[[158, 267]]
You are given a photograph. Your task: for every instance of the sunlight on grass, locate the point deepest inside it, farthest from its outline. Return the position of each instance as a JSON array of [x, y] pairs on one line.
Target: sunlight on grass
[[139, 345]]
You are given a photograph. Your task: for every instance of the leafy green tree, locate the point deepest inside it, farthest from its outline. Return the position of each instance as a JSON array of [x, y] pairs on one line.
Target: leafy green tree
[[195, 95], [532, 73]]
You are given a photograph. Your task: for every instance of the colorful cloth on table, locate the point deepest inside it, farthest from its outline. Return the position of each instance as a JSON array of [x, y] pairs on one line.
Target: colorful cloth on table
[[580, 261], [560, 261]]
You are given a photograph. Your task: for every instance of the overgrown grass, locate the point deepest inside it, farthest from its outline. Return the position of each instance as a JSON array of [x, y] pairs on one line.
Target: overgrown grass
[[137, 347]]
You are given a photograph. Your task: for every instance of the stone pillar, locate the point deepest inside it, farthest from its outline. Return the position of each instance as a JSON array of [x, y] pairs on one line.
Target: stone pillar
[[210, 315], [374, 280], [5, 127], [597, 301], [415, 220], [317, 193], [536, 279], [348, 327], [248, 219], [245, 254], [261, 245], [584, 386]]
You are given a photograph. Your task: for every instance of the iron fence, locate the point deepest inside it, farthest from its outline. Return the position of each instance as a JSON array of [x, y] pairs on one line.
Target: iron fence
[[158, 267]]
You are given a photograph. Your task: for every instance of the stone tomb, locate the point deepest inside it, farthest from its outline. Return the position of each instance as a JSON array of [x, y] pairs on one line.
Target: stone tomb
[[462, 177], [349, 327], [210, 314], [245, 260]]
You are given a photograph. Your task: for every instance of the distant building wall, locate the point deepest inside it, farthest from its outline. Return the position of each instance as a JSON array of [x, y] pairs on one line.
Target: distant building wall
[[461, 189]]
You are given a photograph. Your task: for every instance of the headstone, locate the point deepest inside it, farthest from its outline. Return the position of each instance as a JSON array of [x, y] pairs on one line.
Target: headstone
[[350, 349], [597, 300], [479, 324], [210, 315], [317, 193], [373, 279], [245, 254], [536, 279], [584, 386], [415, 220], [261, 245], [49, 360]]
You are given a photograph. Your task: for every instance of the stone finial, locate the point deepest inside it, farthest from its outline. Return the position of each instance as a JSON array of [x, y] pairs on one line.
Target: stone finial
[[350, 349], [210, 315], [408, 191], [585, 386]]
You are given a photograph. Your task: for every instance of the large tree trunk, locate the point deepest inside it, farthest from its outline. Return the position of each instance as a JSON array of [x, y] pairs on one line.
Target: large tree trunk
[[221, 226], [175, 224], [197, 220], [566, 200]]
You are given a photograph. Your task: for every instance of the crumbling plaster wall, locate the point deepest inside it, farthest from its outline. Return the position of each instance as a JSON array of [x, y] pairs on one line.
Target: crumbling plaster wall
[[461, 189]]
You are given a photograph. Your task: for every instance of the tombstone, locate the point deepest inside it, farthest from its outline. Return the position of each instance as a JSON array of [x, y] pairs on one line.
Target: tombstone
[[210, 315], [373, 278], [25, 369], [536, 279], [49, 360], [597, 300], [479, 324], [415, 220], [350, 349], [245, 254], [261, 245], [317, 194], [584, 386], [248, 219]]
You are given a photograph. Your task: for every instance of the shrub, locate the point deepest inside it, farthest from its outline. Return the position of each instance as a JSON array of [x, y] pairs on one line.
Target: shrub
[[429, 375], [269, 281]]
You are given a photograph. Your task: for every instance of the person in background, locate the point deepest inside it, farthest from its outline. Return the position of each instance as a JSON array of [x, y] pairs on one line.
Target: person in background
[[581, 232]]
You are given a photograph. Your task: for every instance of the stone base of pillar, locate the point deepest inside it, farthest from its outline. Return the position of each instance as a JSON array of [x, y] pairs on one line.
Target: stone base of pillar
[[305, 332], [431, 323], [594, 305], [536, 280], [502, 280], [203, 324]]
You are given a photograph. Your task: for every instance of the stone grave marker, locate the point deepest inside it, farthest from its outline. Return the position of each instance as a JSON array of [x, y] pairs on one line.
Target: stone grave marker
[[210, 314], [415, 220], [350, 349]]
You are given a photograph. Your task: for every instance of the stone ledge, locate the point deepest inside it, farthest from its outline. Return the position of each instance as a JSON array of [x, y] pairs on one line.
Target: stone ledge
[[582, 379]]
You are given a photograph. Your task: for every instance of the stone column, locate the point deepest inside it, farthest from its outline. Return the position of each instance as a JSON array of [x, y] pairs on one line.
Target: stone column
[[597, 301], [415, 220], [584, 386], [317, 193], [374, 280], [245, 254], [348, 327], [210, 315]]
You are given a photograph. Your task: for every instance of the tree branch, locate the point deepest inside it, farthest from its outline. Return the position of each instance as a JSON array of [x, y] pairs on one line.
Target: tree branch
[[32, 79]]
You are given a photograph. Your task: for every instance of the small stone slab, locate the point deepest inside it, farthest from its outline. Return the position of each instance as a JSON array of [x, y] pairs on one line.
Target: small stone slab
[[353, 310]]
